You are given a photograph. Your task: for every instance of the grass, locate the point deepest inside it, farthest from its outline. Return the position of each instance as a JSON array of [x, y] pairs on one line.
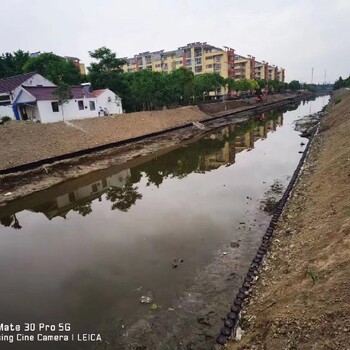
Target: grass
[[337, 101], [313, 275]]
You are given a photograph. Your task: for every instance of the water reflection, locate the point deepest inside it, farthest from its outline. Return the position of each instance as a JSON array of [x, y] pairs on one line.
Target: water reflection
[[214, 150]]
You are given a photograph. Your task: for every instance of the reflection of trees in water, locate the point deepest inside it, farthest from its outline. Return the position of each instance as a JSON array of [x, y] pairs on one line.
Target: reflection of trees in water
[[83, 209], [123, 198], [11, 221]]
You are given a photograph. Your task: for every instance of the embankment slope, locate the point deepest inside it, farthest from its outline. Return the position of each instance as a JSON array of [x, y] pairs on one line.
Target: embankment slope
[[302, 299]]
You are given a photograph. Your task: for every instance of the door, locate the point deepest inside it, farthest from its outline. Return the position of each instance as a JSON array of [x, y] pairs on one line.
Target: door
[[23, 112]]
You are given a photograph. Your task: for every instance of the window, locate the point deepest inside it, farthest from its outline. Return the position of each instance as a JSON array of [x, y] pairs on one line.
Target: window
[[54, 106], [209, 58], [209, 66], [94, 188], [5, 100], [198, 69], [81, 105], [198, 60], [92, 105]]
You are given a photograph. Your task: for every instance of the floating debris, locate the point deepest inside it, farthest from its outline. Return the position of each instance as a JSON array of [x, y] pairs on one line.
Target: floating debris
[[146, 299]]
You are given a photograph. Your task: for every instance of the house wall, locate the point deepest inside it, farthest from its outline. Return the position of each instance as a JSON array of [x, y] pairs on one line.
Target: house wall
[[111, 101], [70, 110], [7, 111]]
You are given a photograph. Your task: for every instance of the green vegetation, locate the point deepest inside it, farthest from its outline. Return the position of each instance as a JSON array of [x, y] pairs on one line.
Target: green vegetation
[[313, 275], [63, 93], [341, 83], [12, 63], [54, 68], [5, 119], [338, 100]]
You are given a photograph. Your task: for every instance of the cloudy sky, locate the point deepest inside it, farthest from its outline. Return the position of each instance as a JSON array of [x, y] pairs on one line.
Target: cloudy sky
[[294, 34]]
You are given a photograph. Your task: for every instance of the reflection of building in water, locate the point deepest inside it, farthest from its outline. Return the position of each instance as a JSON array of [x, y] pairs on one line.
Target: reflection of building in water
[[245, 141], [260, 132], [225, 156], [61, 205]]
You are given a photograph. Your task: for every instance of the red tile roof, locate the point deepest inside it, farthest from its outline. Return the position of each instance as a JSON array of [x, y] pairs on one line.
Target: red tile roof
[[98, 92], [9, 84], [42, 93]]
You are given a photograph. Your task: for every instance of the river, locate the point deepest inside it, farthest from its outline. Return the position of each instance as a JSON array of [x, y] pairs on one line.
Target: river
[[181, 228]]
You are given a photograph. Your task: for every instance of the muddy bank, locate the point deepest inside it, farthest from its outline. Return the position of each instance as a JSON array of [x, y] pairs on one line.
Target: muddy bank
[[301, 300]]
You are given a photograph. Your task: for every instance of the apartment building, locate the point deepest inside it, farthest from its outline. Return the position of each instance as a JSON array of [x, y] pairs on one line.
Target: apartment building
[[204, 58]]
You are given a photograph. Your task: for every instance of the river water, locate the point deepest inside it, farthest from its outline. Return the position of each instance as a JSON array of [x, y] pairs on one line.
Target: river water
[[85, 252]]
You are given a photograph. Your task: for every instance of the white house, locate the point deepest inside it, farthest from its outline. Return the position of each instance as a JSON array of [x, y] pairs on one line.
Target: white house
[[37, 101], [10, 88]]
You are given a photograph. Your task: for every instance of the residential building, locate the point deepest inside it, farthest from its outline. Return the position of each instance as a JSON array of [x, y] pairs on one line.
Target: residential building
[[202, 58], [32, 97], [77, 63]]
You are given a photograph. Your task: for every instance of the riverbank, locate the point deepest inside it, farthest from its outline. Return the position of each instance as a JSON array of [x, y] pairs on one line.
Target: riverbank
[[301, 300], [23, 142]]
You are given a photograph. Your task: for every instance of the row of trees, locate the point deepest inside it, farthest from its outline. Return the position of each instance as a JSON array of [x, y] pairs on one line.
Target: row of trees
[[51, 66], [340, 83], [142, 90]]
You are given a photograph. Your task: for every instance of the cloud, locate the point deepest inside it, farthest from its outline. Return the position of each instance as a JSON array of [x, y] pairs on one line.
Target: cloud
[[296, 35]]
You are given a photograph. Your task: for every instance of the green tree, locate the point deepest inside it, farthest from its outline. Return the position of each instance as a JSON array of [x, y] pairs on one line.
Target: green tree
[[207, 82], [54, 68], [181, 82], [295, 85], [12, 63], [107, 61], [64, 94]]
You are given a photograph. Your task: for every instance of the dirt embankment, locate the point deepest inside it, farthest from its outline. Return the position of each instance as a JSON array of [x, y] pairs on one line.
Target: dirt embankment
[[23, 142], [302, 299]]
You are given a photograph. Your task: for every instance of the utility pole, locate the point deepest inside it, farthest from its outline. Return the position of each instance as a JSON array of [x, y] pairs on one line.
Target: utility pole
[[312, 75], [325, 75]]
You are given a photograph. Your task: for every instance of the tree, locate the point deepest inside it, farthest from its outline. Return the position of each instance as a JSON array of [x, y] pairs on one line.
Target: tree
[[294, 85], [181, 84], [64, 94], [12, 63], [107, 61], [207, 82], [54, 68]]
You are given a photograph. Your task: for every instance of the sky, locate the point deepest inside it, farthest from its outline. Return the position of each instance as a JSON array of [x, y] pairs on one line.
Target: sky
[[297, 35]]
